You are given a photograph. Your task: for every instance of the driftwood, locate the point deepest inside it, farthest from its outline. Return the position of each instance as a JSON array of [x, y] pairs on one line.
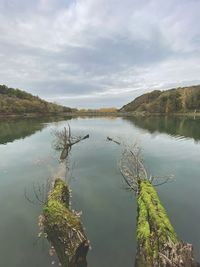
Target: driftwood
[[64, 229], [61, 225], [67, 147], [157, 242]]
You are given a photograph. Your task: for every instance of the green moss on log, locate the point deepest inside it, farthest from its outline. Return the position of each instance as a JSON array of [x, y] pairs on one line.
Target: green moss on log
[[153, 225], [63, 227], [56, 209]]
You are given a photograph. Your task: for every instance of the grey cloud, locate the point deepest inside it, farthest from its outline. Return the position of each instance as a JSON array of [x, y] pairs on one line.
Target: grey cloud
[[63, 88], [109, 55], [91, 51]]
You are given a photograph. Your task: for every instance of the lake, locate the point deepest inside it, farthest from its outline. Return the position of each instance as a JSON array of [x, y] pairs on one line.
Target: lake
[[170, 146]]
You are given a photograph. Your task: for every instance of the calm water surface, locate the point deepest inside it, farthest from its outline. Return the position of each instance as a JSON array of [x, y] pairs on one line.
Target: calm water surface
[[170, 146]]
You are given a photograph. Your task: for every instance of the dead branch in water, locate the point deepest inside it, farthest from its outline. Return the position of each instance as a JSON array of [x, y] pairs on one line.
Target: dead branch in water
[[116, 142], [64, 141], [133, 169], [39, 192], [157, 242]]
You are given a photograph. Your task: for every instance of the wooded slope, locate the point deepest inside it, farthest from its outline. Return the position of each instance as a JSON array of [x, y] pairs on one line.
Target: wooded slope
[[15, 101], [183, 99]]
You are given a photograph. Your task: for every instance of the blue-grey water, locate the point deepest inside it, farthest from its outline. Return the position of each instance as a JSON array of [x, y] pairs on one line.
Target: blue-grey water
[[27, 157]]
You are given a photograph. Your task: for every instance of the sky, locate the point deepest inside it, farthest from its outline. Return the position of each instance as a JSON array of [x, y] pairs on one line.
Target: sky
[[98, 53]]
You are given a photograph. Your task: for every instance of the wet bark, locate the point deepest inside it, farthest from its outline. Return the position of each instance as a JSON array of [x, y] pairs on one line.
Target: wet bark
[[64, 229], [158, 245]]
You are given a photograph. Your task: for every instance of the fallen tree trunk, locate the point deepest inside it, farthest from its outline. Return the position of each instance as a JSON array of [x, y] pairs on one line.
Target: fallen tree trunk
[[158, 244], [64, 229]]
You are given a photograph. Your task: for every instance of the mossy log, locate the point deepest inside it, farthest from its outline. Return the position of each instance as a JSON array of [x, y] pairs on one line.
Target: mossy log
[[158, 244], [64, 229]]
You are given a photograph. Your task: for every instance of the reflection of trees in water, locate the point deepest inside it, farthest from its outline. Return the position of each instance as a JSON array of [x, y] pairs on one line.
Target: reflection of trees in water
[[12, 129], [174, 126]]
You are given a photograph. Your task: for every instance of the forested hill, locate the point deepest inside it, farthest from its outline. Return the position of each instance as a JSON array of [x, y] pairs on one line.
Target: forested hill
[[15, 101], [183, 99]]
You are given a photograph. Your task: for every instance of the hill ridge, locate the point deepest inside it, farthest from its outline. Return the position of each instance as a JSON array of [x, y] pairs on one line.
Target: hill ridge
[[16, 101], [180, 99]]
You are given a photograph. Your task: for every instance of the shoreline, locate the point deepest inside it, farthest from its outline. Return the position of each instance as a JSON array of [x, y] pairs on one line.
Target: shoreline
[[98, 114]]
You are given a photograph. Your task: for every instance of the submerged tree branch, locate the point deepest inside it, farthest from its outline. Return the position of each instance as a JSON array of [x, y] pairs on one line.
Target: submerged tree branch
[[64, 141]]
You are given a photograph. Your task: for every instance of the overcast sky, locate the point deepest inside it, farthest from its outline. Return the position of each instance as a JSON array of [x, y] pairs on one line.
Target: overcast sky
[[95, 53]]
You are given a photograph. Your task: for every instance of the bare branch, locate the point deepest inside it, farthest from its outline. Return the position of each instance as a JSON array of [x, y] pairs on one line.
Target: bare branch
[[112, 140], [64, 141], [27, 198], [79, 139], [69, 131], [132, 167], [166, 179], [39, 192]]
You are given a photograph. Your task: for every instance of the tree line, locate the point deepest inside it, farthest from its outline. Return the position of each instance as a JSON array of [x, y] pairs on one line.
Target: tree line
[[175, 100], [16, 101]]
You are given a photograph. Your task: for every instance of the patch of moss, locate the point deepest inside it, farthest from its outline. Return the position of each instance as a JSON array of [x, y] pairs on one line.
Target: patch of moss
[[56, 211], [153, 225], [63, 227]]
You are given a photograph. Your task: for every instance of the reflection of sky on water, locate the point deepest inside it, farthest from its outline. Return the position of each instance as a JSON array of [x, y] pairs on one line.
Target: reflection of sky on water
[[109, 211]]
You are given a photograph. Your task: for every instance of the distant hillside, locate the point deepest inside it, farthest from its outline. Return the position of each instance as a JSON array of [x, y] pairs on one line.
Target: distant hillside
[[183, 99], [15, 101]]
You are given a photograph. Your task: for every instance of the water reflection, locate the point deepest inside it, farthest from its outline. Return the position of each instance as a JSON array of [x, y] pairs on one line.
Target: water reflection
[[186, 127], [13, 129], [109, 212]]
